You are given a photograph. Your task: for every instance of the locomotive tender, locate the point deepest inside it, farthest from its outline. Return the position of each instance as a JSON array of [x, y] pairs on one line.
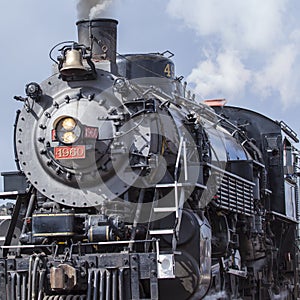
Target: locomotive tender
[[128, 188]]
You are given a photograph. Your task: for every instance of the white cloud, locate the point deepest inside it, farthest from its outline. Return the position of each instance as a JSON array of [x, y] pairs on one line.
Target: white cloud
[[280, 74], [250, 24], [226, 76], [254, 46]]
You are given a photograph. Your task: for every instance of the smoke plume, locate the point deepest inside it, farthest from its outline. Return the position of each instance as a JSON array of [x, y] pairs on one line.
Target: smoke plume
[[248, 45], [91, 9]]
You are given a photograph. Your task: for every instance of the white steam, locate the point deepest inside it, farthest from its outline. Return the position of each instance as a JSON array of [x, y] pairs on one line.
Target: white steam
[[91, 9], [248, 45]]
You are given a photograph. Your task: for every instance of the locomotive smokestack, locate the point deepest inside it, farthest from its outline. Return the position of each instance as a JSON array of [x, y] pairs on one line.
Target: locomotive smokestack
[[101, 36]]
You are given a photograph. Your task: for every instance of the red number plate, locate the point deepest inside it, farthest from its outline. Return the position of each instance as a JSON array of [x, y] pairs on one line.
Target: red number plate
[[91, 133], [69, 152]]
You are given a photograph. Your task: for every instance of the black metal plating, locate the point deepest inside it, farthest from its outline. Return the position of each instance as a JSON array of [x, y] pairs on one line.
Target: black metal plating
[[100, 35]]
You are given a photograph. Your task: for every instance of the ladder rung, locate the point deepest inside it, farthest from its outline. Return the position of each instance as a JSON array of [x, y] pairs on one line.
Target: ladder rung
[[201, 186], [164, 209], [161, 231]]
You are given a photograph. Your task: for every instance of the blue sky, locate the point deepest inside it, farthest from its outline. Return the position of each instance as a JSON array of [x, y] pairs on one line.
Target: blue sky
[[246, 51]]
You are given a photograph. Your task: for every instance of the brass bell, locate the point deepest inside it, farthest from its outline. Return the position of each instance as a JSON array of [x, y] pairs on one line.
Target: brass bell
[[72, 64]]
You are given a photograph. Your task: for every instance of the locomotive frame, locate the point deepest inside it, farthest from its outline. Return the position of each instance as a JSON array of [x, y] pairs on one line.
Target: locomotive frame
[[129, 188]]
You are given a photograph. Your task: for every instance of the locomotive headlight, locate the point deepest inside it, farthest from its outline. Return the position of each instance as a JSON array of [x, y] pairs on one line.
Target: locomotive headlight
[[67, 130], [69, 137], [68, 123]]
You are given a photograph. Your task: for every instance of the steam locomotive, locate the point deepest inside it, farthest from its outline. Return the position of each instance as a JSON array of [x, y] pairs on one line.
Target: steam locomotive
[[129, 188]]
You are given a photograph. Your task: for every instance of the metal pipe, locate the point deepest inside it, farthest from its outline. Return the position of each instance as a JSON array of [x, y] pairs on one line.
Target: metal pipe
[[137, 217], [108, 283], [90, 280], [18, 287], [114, 285], [28, 212], [15, 144], [184, 88], [102, 284], [55, 206], [13, 286], [30, 276], [24, 285], [41, 284], [185, 161], [34, 278], [78, 245], [121, 277], [96, 284], [178, 159]]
